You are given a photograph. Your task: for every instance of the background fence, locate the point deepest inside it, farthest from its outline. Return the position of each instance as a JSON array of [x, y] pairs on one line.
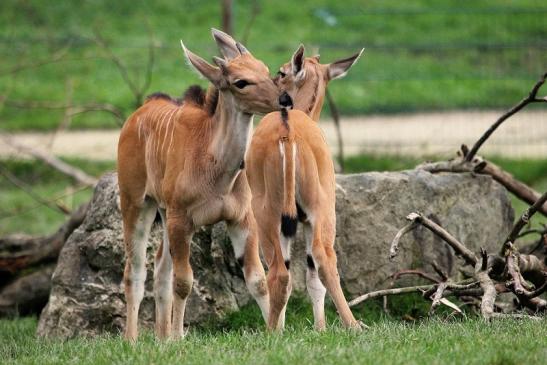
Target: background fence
[[420, 56]]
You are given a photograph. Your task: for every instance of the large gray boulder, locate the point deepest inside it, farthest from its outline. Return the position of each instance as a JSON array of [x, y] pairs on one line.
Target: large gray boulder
[[87, 294]]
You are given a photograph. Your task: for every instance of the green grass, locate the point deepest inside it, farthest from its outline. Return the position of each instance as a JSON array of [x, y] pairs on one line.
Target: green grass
[[19, 213], [385, 342], [421, 54]]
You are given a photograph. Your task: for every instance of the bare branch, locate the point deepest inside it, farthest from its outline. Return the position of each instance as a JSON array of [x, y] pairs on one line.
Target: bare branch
[[395, 243], [394, 291], [465, 284], [336, 117], [255, 10], [481, 166], [523, 220], [420, 273], [531, 98], [77, 174], [24, 187], [74, 109], [487, 285], [438, 296], [458, 247]]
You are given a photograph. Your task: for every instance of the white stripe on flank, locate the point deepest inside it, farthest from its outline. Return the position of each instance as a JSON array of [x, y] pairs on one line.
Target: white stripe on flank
[[282, 152], [173, 130], [168, 125]]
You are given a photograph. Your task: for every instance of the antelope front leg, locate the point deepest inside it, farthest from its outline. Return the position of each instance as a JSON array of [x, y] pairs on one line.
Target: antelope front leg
[[180, 236], [245, 242]]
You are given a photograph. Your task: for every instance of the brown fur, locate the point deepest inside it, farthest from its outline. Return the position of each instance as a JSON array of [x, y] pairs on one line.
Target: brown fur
[[184, 160], [280, 183]]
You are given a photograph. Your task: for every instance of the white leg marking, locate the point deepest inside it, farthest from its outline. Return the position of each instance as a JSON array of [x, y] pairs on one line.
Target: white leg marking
[[238, 236]]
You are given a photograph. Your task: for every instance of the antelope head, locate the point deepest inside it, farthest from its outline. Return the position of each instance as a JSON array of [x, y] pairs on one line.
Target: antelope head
[[306, 80], [238, 76]]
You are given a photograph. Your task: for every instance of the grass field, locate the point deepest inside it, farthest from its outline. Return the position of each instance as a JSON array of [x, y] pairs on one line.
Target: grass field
[[421, 54], [433, 341]]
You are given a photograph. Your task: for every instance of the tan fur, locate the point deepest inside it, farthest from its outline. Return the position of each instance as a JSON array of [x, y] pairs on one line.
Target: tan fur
[[182, 160], [278, 182]]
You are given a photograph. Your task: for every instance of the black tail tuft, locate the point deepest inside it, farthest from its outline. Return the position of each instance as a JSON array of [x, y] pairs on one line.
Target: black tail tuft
[[288, 225], [284, 115]]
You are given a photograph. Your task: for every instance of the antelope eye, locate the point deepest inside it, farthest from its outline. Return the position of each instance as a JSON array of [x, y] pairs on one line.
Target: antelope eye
[[281, 73], [240, 84]]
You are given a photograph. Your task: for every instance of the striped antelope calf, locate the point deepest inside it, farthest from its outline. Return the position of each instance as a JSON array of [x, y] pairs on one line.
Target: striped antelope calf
[[291, 174], [185, 159]]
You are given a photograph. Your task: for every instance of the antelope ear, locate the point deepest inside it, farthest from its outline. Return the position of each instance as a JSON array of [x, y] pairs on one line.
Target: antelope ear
[[297, 60], [205, 69], [226, 44], [339, 69]]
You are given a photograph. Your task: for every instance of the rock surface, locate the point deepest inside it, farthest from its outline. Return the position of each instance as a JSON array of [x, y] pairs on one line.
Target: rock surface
[[87, 296]]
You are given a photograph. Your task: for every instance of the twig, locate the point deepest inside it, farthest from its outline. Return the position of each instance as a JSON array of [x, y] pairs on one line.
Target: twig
[[336, 117], [394, 291], [458, 247], [438, 296], [77, 174], [420, 273], [439, 271], [531, 98], [523, 220], [255, 10], [487, 285], [410, 289], [137, 91], [24, 187], [395, 243], [75, 109]]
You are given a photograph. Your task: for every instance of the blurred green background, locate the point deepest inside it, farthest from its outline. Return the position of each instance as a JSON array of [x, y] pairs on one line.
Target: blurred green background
[[420, 54]]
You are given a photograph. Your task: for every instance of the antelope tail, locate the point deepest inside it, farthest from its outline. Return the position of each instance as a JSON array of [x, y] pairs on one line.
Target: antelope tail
[[288, 152]]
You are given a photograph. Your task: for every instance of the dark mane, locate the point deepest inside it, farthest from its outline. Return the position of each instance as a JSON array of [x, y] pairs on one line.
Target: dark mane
[[211, 100], [194, 94], [163, 96], [207, 101]]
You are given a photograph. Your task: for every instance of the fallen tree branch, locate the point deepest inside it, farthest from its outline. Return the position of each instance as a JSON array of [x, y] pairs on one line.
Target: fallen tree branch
[[77, 174], [484, 167], [487, 285], [523, 220], [458, 247], [411, 289], [395, 243], [420, 273], [17, 253]]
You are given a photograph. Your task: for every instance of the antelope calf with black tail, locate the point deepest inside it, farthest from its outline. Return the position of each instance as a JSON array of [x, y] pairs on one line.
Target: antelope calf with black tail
[[185, 160], [292, 179]]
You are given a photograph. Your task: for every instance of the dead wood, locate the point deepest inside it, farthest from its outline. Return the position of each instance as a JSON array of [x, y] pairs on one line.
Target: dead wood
[[18, 253], [27, 294], [523, 220], [458, 247]]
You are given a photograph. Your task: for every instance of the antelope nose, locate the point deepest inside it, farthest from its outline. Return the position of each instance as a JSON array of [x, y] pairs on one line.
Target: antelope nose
[[285, 100]]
